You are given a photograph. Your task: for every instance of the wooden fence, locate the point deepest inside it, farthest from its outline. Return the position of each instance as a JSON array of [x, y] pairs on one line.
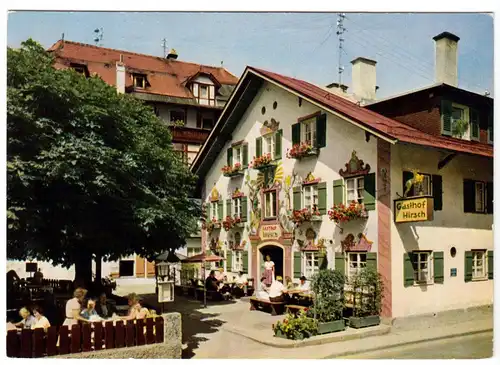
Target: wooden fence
[[84, 337]]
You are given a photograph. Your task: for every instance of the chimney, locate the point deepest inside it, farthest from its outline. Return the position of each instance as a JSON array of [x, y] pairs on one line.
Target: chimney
[[172, 55], [120, 76], [364, 79], [446, 58]]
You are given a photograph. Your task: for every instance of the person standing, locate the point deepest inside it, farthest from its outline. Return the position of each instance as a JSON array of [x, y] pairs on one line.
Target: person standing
[[268, 271], [74, 307]]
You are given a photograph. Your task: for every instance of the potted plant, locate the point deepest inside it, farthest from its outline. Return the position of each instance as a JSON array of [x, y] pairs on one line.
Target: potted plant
[[342, 213], [300, 150], [305, 215], [228, 223], [367, 288], [261, 162], [229, 170], [328, 288], [296, 327], [211, 225]]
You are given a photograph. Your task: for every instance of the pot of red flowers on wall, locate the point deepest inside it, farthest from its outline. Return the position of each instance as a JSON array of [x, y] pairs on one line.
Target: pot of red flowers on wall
[[211, 225], [342, 213], [305, 215], [230, 222], [231, 171], [262, 162], [301, 150]]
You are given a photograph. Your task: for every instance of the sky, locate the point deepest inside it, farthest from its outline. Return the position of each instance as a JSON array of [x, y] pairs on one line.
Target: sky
[[301, 45]]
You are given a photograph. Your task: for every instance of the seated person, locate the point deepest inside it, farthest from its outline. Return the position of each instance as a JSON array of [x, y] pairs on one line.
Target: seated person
[[219, 275], [28, 321], [104, 308], [289, 283], [277, 290], [40, 320], [143, 312], [211, 283], [136, 310], [89, 310], [304, 285], [262, 290], [241, 280]]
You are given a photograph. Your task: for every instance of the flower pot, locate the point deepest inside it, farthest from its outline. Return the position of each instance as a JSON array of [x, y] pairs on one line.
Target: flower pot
[[361, 322], [263, 167], [329, 327], [234, 173], [316, 218]]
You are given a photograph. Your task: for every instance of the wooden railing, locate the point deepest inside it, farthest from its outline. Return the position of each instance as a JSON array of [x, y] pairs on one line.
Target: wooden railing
[[84, 338]]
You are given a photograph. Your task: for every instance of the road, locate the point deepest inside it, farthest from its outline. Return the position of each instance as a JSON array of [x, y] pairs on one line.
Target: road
[[466, 347]]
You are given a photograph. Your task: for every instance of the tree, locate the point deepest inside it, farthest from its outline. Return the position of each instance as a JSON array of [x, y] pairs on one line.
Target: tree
[[90, 173]]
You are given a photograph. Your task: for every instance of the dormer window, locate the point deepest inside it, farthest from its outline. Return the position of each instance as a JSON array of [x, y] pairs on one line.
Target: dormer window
[[140, 81], [81, 69], [203, 93]]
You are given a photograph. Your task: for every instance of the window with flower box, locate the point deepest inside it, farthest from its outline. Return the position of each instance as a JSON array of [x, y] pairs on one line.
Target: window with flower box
[[432, 185], [355, 189], [237, 159], [271, 144], [309, 130], [237, 208], [310, 193], [270, 204]]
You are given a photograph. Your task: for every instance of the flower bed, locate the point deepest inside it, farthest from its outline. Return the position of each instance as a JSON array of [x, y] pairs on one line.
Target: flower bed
[[261, 161], [232, 170], [342, 213], [301, 150], [305, 215], [296, 327]]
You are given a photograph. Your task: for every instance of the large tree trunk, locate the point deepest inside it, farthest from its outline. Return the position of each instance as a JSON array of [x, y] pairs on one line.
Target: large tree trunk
[[83, 270], [98, 269]]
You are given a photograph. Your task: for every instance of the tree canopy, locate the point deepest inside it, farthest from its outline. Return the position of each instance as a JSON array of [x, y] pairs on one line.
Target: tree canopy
[[89, 171]]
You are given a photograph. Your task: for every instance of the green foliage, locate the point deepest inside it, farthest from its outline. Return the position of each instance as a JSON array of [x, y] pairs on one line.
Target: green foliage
[[460, 127], [89, 171], [297, 327], [328, 288], [368, 288]]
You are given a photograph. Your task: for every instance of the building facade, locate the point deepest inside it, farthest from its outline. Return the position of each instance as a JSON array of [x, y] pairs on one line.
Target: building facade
[[286, 158]]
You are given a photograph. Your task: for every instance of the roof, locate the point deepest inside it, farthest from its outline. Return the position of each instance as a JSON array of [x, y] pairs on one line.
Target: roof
[[379, 125], [167, 76]]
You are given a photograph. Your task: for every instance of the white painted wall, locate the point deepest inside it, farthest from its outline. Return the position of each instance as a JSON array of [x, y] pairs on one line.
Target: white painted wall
[[450, 228], [342, 139]]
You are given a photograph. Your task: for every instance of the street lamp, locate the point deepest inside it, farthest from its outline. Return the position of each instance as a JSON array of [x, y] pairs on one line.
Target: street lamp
[[165, 285]]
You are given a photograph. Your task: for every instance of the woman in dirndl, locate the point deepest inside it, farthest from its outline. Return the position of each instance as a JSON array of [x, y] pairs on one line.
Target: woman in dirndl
[[268, 271]]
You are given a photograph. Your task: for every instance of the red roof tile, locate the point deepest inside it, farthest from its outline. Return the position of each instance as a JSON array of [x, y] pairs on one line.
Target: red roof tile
[[166, 77], [374, 121]]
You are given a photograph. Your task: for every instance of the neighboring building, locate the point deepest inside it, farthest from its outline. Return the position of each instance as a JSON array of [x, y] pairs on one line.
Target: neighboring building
[[431, 259], [187, 96]]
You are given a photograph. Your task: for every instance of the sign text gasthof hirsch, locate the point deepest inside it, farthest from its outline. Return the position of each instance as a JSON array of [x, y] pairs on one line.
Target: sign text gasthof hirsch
[[413, 209]]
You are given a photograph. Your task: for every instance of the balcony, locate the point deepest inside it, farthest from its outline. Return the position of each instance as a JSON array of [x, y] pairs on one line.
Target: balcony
[[189, 135]]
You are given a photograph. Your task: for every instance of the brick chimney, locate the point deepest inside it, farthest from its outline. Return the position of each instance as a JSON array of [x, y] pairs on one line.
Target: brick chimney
[[446, 67], [120, 76], [364, 80]]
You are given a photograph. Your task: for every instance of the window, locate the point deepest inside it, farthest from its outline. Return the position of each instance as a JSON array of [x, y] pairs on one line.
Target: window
[[355, 188], [460, 113], [81, 69], [214, 210], [237, 155], [423, 272], [480, 193], [269, 145], [479, 264], [355, 262], [424, 187], [311, 263], [204, 93], [192, 251], [308, 129], [237, 263], [187, 152], [126, 268], [237, 208], [270, 204], [310, 196], [177, 116], [208, 123], [139, 81]]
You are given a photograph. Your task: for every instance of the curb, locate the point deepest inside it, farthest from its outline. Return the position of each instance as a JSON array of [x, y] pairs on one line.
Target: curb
[[316, 340], [415, 342]]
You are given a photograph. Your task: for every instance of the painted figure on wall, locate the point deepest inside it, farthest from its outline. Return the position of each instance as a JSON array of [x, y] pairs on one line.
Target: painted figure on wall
[[268, 271]]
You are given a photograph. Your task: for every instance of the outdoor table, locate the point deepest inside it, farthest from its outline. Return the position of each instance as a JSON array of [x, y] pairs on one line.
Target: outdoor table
[[122, 308]]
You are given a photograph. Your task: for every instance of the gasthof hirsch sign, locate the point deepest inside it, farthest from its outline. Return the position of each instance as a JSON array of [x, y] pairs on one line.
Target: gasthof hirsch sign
[[416, 209], [270, 231]]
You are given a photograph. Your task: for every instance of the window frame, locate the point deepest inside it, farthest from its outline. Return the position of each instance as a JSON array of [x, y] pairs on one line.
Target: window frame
[[311, 122], [269, 139], [172, 119], [144, 81], [270, 192], [483, 184], [204, 121], [238, 154], [350, 272], [418, 271], [235, 265], [236, 204], [359, 200], [484, 261], [214, 206], [466, 115], [312, 191], [210, 98], [315, 257], [431, 192]]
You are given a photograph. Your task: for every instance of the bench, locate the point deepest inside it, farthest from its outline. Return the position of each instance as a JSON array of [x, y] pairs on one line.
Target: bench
[[294, 309], [276, 307], [211, 295]]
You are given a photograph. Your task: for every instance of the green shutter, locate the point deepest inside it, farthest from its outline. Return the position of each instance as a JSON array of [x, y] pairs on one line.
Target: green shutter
[[409, 276], [297, 264], [322, 198], [474, 123], [229, 261], [408, 175], [244, 258], [469, 196], [230, 156], [258, 147], [321, 131], [468, 266], [297, 198], [369, 195], [340, 262], [209, 209], [244, 209], [371, 260], [489, 198], [323, 261], [446, 111], [220, 210], [338, 191], [295, 133], [228, 207], [437, 191], [245, 155], [490, 264], [278, 145], [438, 267]]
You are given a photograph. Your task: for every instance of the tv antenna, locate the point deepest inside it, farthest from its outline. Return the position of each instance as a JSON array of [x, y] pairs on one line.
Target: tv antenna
[[340, 32], [99, 33], [164, 46]]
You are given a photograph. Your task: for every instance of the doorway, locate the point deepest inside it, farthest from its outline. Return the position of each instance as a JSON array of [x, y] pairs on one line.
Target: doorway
[[276, 255]]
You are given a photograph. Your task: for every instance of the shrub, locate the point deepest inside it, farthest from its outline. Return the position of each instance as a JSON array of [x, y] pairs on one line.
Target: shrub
[[367, 289], [328, 287]]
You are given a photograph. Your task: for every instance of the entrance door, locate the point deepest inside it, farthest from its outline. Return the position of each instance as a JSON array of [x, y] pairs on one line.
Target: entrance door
[[276, 255]]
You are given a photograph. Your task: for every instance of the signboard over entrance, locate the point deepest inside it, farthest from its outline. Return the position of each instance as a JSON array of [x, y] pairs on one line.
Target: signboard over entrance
[[416, 209], [270, 232]]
